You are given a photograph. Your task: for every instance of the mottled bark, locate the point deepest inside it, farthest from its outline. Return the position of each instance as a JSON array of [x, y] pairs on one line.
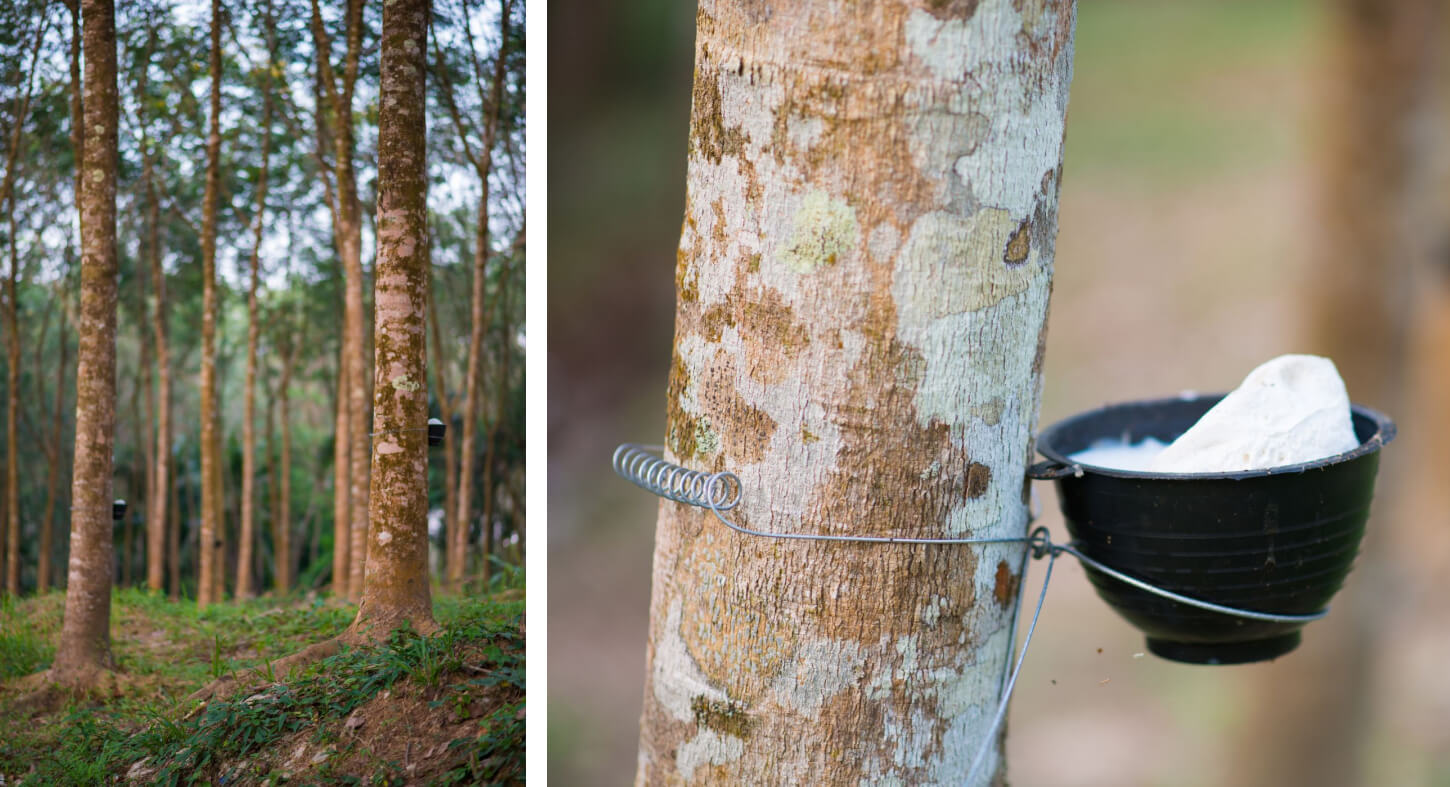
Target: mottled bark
[[397, 587], [481, 312], [246, 534], [347, 224], [862, 283], [211, 522], [85, 640]]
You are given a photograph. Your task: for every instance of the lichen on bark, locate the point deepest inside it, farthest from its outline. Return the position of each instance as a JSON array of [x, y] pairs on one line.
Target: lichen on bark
[[863, 278]]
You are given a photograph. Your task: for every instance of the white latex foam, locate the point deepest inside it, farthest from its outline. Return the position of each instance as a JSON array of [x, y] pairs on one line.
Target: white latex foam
[[1289, 410]]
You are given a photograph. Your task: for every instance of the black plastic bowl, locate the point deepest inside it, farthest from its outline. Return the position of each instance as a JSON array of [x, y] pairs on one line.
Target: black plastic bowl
[[1279, 541]]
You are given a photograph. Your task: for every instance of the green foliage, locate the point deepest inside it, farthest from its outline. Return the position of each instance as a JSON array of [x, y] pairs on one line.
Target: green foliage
[[22, 651]]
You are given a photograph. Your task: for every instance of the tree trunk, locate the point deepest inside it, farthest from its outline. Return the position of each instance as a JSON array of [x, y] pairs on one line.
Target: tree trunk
[[342, 485], [12, 403], [347, 223], [282, 526], [450, 439], [20, 109], [156, 510], [211, 522], [85, 639], [491, 439], [52, 468], [1382, 53], [173, 540], [863, 281], [396, 592], [480, 315], [249, 408]]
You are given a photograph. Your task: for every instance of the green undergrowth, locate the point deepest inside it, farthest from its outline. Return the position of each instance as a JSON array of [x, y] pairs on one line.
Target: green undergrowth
[[459, 694]]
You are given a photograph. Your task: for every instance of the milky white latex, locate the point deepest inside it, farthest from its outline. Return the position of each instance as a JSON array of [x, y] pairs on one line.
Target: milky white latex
[[1117, 455], [1289, 410]]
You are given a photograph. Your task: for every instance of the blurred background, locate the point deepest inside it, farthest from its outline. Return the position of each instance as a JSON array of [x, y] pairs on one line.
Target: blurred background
[[1243, 178]]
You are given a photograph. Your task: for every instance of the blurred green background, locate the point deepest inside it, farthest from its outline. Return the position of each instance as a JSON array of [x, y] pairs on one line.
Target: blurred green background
[[1189, 205]]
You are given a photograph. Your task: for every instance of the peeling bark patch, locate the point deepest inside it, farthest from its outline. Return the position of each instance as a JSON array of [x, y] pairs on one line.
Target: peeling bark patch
[[1006, 588], [1018, 245], [730, 718], [979, 478], [708, 748], [824, 229]]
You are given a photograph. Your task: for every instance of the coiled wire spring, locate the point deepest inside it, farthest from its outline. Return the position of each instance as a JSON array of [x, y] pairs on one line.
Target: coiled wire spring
[[643, 466]]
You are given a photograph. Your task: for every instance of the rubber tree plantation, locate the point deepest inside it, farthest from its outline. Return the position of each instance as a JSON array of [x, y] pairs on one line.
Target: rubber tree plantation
[[249, 249]]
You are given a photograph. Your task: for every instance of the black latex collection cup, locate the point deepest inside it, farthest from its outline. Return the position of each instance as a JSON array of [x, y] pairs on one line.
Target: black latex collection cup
[[1279, 541]]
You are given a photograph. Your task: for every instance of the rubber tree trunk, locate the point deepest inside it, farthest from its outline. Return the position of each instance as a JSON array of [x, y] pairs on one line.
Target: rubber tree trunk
[[481, 314], [282, 527], [12, 407], [85, 638], [1382, 54], [396, 590], [52, 466], [862, 284], [342, 485], [211, 521], [247, 533]]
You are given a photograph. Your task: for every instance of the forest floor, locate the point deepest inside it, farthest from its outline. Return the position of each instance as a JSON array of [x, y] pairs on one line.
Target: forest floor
[[445, 709]]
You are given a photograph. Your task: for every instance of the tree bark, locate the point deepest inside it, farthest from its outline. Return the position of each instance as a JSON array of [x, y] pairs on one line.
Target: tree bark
[[862, 283], [85, 639], [481, 315], [249, 408], [396, 592], [210, 457]]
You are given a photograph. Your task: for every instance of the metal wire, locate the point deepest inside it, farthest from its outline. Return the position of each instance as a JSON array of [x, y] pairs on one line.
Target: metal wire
[[644, 467]]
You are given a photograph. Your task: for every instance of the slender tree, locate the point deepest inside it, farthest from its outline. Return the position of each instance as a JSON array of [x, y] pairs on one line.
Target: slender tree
[[501, 386], [211, 520], [347, 226], [20, 109], [863, 280], [157, 511], [85, 640], [482, 162], [52, 463], [396, 591], [282, 521], [246, 534]]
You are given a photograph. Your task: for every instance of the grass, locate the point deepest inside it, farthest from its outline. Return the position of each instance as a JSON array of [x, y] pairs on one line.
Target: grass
[[465, 684]]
